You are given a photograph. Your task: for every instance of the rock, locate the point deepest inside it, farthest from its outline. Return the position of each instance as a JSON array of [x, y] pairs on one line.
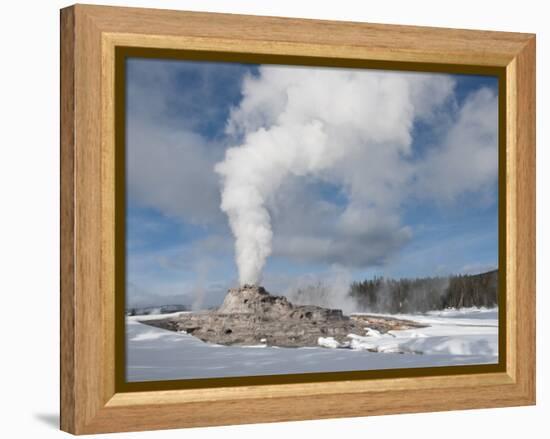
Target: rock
[[250, 316], [252, 299]]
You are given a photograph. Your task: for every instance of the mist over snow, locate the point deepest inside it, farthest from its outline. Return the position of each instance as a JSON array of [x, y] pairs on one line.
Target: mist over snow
[[329, 290], [296, 177]]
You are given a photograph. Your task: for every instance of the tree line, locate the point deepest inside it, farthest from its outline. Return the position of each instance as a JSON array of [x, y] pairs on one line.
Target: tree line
[[426, 294]]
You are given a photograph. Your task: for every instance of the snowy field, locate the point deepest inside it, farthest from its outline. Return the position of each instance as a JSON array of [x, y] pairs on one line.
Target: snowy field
[[454, 337]]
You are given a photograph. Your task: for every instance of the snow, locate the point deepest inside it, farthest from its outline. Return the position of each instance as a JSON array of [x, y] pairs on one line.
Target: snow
[[328, 342], [468, 331], [454, 337]]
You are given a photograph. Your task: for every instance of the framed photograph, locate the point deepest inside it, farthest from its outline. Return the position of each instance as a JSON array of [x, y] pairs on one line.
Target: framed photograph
[[268, 219]]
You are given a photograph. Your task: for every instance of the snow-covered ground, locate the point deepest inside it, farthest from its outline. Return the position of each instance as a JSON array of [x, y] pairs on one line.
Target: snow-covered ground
[[450, 332], [454, 337]]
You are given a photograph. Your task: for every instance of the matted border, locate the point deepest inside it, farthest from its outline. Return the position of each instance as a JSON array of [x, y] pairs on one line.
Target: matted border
[[90, 400]]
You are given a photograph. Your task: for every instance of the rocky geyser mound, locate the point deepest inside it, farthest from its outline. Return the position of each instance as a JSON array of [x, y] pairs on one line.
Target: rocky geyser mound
[[250, 315]]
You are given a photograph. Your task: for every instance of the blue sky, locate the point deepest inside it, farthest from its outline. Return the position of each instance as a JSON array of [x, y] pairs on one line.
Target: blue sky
[[438, 217]]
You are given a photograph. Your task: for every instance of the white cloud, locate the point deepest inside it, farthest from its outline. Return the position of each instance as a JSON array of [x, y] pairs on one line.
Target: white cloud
[[467, 159], [181, 95], [172, 110], [172, 171], [309, 229]]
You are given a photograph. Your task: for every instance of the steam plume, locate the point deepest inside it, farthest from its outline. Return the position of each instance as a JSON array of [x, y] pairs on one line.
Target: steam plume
[[251, 173], [311, 122]]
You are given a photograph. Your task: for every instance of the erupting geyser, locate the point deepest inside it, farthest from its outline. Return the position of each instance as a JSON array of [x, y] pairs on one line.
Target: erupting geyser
[[288, 126], [252, 172]]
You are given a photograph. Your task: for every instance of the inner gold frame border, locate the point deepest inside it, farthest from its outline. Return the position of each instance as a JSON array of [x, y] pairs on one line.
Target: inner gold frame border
[[122, 54], [94, 395]]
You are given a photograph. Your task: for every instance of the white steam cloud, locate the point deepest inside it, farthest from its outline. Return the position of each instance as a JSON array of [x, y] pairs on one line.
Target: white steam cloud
[[255, 170], [351, 128]]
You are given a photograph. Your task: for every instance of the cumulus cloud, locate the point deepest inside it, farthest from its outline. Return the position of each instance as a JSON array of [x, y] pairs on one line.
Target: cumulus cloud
[[467, 158], [309, 229], [194, 96], [172, 171], [174, 114]]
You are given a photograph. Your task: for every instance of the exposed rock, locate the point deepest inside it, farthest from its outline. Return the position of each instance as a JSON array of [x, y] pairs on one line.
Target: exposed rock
[[251, 316]]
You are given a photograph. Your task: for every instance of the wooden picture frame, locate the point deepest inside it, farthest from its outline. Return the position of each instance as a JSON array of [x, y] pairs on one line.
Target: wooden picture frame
[[91, 399]]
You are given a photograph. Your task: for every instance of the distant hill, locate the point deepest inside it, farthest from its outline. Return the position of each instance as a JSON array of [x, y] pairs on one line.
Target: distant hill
[[426, 294], [163, 309]]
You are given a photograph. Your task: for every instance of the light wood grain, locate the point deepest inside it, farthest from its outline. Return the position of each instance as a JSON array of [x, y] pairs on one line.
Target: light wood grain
[[308, 389], [525, 219], [89, 37], [511, 217], [67, 253], [90, 355], [108, 217], [328, 38]]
